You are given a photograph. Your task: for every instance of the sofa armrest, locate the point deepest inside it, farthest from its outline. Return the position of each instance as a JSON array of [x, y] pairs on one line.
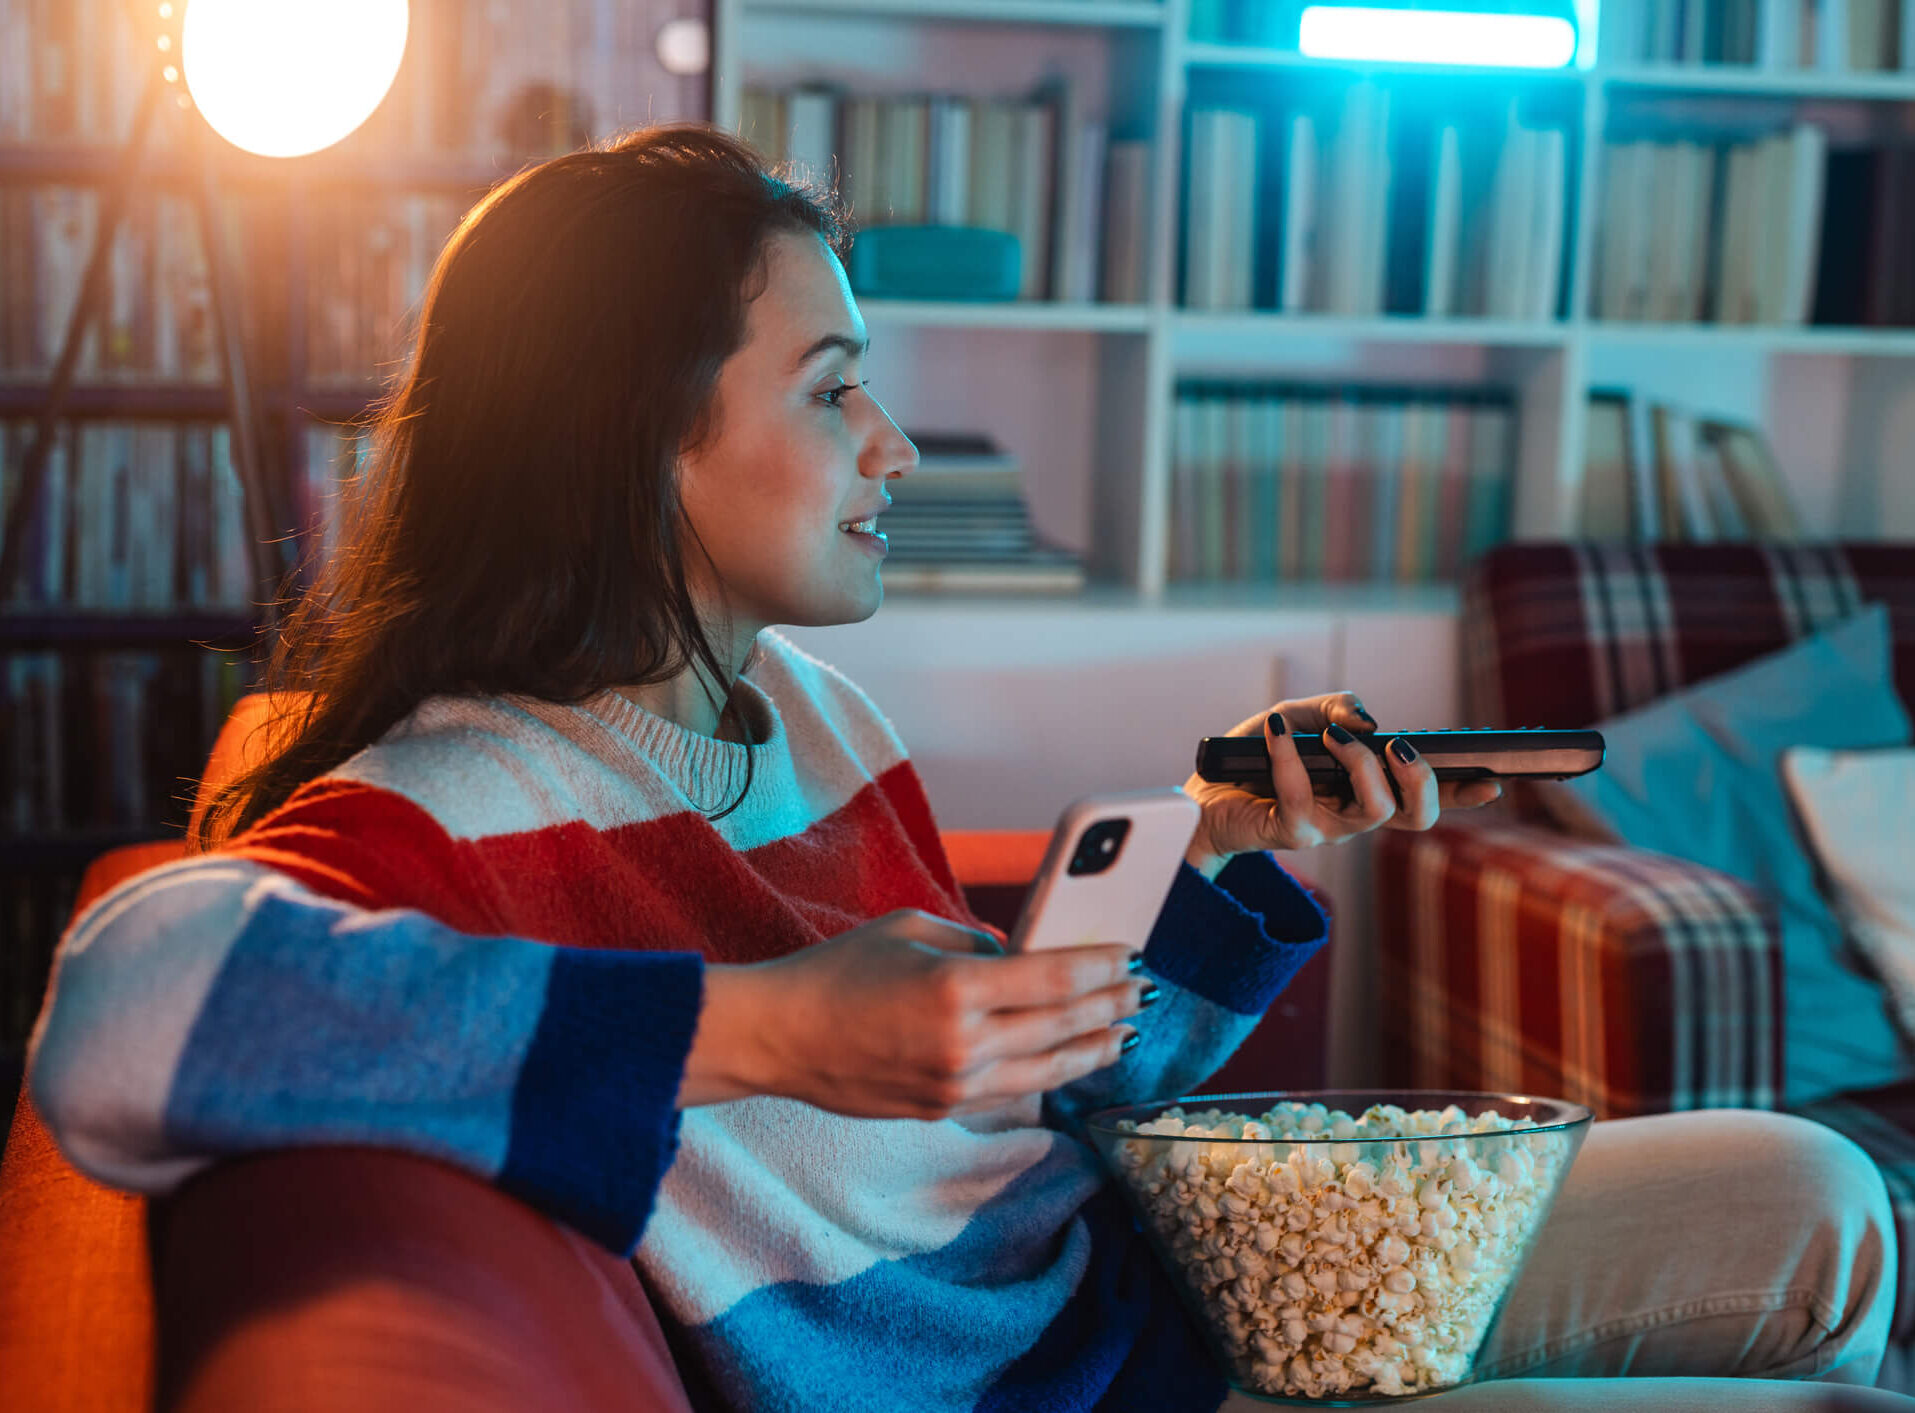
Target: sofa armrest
[[1514, 957], [341, 1278]]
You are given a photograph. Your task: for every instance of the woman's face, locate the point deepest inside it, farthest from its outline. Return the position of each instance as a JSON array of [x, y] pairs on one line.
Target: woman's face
[[801, 449]]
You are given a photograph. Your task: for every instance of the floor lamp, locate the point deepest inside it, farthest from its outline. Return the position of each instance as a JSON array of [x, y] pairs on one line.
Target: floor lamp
[[240, 59]]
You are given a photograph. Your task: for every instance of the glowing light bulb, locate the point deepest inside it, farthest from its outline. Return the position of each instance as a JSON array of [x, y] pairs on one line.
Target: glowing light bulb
[[1437, 36], [287, 77]]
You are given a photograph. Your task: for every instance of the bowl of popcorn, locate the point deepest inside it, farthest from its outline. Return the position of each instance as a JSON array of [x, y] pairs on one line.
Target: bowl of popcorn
[[1342, 1247]]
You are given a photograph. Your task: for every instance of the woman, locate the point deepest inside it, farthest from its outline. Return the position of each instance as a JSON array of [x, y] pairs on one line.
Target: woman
[[571, 847]]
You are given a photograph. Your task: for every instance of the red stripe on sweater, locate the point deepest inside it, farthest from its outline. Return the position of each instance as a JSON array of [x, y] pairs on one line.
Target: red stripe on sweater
[[670, 884]]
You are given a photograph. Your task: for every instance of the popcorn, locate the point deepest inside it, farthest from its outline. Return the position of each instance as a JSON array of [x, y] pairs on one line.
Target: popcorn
[[1339, 1254]]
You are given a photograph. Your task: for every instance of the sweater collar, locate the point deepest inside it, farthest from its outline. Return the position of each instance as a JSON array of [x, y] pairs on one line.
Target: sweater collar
[[698, 763]]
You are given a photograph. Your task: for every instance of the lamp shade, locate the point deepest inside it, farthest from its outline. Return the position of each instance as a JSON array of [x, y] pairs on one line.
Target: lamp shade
[[287, 77]]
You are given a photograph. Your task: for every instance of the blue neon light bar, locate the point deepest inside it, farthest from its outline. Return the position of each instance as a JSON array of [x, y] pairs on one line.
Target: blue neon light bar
[[1474, 37]]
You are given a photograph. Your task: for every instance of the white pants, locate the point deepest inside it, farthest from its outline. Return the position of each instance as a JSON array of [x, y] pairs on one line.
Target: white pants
[[1727, 1259]]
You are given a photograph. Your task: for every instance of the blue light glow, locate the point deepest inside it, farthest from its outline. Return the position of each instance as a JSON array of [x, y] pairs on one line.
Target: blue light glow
[[1438, 37]]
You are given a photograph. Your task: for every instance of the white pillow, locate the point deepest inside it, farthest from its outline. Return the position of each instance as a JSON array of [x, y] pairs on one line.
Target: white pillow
[[1858, 813]]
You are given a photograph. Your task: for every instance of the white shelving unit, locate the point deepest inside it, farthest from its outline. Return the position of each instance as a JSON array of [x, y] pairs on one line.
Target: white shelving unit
[[1011, 707], [1106, 485]]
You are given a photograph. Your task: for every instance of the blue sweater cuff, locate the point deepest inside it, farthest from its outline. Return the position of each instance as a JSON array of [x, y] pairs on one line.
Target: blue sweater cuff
[[1237, 941], [595, 1111]]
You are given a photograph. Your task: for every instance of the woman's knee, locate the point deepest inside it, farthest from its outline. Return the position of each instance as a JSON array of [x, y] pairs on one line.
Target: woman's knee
[[1826, 1169], [1845, 1217]]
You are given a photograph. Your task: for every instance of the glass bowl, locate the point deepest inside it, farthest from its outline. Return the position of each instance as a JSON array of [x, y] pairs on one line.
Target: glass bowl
[[1344, 1260]]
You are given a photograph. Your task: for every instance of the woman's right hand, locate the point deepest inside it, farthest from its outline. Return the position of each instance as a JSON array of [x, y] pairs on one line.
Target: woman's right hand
[[910, 1016]]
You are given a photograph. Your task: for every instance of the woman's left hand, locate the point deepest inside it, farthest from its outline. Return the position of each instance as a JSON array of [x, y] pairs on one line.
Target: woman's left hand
[[1238, 822]]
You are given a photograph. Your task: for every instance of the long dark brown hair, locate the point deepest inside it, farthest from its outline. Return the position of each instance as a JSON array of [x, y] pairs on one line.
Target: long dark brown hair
[[517, 528]]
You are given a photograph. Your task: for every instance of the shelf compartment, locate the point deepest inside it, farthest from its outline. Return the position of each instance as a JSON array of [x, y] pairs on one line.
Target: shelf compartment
[[134, 400], [1109, 14], [1785, 83], [1760, 338], [29, 628], [1009, 314], [1200, 335]]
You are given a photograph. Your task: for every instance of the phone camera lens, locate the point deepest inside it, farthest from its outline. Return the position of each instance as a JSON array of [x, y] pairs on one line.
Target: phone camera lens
[[1097, 850]]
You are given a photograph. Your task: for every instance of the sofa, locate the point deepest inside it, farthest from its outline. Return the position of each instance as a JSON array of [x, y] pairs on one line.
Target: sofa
[[1515, 956], [328, 1278]]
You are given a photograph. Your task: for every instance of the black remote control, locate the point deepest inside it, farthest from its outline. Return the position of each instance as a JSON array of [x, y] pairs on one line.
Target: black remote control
[[1532, 753]]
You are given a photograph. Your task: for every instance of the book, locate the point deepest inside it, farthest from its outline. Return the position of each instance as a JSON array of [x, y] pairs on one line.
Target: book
[[1510, 249], [862, 183], [1201, 198], [1126, 221], [1357, 194], [948, 180], [1033, 165], [1300, 217], [1444, 224], [810, 136], [1549, 172], [1645, 517], [1801, 157], [993, 137], [1682, 505], [1264, 520], [1755, 480], [904, 152], [1083, 205], [1486, 516], [1606, 495]]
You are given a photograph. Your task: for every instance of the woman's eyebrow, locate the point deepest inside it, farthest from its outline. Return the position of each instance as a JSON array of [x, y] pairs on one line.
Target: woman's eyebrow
[[845, 341]]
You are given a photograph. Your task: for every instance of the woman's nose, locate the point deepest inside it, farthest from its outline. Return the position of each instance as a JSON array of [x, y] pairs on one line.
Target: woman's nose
[[890, 452]]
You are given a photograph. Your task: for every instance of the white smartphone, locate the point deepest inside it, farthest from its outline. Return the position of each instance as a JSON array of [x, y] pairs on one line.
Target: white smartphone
[[1110, 865]]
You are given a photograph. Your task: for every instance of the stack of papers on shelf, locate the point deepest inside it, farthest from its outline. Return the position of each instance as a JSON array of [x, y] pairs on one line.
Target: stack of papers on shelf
[[960, 523]]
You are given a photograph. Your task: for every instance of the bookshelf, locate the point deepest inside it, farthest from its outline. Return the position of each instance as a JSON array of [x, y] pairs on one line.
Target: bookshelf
[[1143, 73], [116, 670]]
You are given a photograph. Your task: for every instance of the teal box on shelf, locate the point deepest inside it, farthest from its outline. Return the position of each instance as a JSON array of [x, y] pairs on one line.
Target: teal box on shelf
[[934, 262]]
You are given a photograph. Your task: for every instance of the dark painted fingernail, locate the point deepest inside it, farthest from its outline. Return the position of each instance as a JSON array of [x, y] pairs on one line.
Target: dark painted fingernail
[[1277, 726], [1339, 735], [1150, 996], [1358, 709], [1136, 963], [1130, 1042], [1403, 751]]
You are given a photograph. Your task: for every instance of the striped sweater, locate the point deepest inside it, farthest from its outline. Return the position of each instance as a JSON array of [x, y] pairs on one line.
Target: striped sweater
[[483, 938]]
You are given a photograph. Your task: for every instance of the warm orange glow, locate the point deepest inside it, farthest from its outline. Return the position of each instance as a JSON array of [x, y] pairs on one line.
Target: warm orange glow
[[287, 77]]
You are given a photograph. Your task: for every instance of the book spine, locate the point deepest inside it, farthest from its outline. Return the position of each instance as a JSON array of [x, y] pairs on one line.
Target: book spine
[[1387, 500]]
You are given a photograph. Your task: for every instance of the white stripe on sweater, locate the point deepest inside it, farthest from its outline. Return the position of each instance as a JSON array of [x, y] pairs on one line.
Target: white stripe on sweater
[[489, 766]]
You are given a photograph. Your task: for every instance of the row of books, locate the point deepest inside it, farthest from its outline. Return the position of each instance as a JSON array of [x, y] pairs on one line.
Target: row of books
[[1355, 212], [72, 69], [1701, 230], [960, 523], [1835, 36], [1283, 482], [365, 264], [334, 454], [1036, 166], [132, 516], [157, 319], [109, 740], [367, 260], [1655, 471], [477, 81]]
